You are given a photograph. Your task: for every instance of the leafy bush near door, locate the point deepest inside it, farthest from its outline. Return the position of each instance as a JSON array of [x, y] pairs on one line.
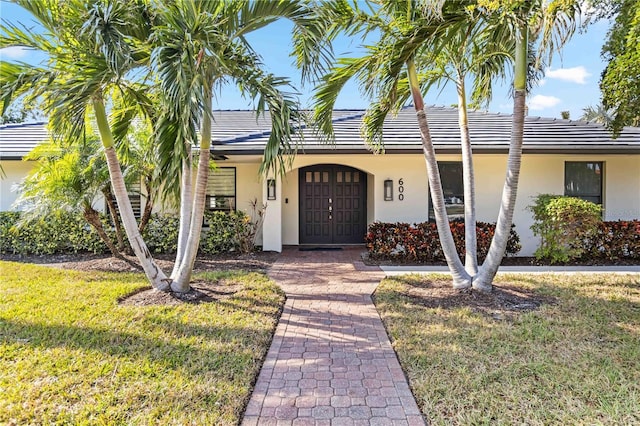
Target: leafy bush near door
[[420, 242], [232, 231]]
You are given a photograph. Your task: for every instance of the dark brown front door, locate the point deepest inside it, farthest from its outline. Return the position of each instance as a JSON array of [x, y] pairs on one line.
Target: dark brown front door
[[332, 205]]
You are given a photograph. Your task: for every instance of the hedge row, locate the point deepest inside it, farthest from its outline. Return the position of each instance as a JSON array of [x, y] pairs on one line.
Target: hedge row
[[56, 233], [420, 242], [69, 233], [616, 240]]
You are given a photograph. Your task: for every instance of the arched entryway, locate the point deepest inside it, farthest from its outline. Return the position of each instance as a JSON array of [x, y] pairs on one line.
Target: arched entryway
[[333, 205]]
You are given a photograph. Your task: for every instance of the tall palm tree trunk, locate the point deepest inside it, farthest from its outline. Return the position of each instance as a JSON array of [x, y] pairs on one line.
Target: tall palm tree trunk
[[183, 276], [461, 279], [113, 212], [148, 208], [186, 207], [490, 266], [93, 218], [468, 176], [154, 274]]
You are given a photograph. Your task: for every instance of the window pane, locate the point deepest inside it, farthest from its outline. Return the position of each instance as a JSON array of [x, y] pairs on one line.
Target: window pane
[[308, 177], [356, 177], [325, 176], [452, 188], [583, 180], [347, 176], [221, 189], [316, 176], [339, 177]]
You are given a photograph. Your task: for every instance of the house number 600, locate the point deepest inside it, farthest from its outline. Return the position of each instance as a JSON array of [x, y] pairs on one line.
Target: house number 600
[[400, 189]]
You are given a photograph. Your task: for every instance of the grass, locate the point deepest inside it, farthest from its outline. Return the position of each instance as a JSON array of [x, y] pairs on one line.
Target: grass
[[71, 355], [576, 361]]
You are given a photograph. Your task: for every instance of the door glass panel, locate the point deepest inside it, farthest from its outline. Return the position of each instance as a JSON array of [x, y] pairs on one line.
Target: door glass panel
[[339, 177], [308, 177], [356, 177], [325, 177], [316, 176], [347, 176]]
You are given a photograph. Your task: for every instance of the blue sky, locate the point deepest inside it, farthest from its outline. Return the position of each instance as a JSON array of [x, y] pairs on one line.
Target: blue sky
[[570, 84]]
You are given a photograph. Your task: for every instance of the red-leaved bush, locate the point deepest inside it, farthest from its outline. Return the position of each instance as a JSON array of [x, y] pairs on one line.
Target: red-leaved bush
[[420, 242], [614, 241]]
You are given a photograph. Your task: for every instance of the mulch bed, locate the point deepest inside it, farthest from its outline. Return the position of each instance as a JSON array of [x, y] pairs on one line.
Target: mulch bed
[[504, 302], [201, 292], [508, 261], [258, 261]]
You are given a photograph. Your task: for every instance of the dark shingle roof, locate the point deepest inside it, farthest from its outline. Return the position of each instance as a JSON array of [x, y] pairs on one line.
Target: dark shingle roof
[[17, 140], [490, 132], [239, 132]]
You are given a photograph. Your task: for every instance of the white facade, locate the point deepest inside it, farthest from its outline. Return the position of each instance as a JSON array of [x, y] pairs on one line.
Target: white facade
[[540, 173]]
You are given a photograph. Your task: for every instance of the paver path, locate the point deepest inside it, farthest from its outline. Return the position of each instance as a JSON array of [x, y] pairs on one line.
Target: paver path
[[330, 362]]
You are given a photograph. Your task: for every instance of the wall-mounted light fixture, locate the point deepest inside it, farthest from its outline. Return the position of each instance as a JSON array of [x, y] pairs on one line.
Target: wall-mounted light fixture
[[388, 190], [271, 189]]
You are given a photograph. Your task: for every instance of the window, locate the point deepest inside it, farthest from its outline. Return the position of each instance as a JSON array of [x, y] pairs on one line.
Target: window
[[452, 188], [583, 179], [221, 189]]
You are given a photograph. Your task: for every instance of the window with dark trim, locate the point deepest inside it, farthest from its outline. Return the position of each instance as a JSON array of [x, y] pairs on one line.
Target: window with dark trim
[[452, 188], [583, 179], [221, 189]]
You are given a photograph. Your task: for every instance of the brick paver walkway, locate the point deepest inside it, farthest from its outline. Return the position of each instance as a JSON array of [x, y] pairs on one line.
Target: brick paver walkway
[[330, 362]]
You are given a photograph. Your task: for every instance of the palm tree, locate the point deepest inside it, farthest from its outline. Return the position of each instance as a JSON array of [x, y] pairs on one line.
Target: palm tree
[[202, 45], [598, 114], [400, 66], [67, 177], [94, 48]]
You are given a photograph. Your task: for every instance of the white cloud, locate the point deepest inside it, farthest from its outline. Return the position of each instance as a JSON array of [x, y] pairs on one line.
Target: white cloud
[[542, 82], [577, 74], [539, 102], [14, 52]]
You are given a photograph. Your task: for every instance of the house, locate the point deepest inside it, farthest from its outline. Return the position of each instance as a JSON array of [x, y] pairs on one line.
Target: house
[[333, 191]]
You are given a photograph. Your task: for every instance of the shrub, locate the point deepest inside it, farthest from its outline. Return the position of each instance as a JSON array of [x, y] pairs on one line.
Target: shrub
[[58, 232], [615, 241], [565, 225], [420, 242], [223, 230], [232, 231], [161, 233]]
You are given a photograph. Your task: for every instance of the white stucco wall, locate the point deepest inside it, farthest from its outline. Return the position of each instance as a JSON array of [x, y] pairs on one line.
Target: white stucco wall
[[539, 174], [14, 172]]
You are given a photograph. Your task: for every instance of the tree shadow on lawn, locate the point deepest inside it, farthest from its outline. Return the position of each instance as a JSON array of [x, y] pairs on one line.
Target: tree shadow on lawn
[[576, 359], [228, 356]]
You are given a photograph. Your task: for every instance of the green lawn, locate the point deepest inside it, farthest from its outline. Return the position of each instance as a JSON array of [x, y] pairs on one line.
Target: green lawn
[[573, 362], [71, 355]]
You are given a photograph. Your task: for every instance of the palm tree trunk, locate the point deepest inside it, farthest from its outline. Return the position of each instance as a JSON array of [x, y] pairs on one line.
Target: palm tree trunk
[[181, 279], [468, 176], [186, 207], [154, 274], [93, 218], [461, 279], [113, 212], [148, 208], [490, 266]]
